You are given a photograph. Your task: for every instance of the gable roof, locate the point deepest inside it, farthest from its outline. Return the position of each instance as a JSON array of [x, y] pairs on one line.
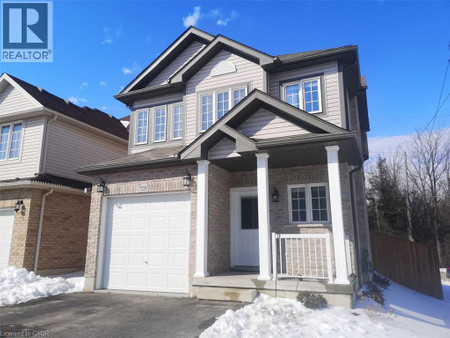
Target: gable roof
[[89, 116], [226, 126], [168, 55]]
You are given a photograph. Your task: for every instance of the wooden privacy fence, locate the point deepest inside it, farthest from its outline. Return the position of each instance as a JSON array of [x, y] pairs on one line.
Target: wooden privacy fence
[[410, 264]]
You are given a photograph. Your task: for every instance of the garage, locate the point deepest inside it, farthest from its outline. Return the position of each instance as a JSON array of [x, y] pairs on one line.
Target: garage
[[147, 243], [6, 230]]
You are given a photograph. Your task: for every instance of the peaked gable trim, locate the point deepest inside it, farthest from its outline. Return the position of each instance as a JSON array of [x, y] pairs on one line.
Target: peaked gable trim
[[6, 78], [250, 104], [220, 42], [191, 32]]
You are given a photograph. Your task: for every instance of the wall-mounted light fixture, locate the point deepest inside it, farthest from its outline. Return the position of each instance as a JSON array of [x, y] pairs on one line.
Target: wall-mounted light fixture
[[18, 205], [187, 179], [275, 195], [101, 185]]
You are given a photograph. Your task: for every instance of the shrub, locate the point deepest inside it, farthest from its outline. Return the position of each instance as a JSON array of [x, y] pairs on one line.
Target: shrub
[[373, 292], [312, 301], [381, 280]]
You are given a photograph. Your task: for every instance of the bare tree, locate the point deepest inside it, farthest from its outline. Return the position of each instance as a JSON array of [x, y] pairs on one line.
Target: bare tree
[[429, 175]]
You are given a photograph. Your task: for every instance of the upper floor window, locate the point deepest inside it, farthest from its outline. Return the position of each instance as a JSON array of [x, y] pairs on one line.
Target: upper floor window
[[304, 94], [309, 203], [10, 141], [160, 124], [177, 118], [142, 127], [214, 105]]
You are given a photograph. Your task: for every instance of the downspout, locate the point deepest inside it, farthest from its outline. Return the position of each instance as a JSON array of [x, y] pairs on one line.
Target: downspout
[[41, 221], [355, 227], [44, 145]]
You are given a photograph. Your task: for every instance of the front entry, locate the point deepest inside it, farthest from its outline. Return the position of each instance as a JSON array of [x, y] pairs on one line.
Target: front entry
[[245, 247]]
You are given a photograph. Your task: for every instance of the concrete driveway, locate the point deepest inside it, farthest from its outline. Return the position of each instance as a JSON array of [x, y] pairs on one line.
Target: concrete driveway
[[111, 315]]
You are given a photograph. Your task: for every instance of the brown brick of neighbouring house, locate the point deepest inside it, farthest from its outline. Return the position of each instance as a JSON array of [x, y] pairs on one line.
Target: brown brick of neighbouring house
[[64, 234], [145, 181]]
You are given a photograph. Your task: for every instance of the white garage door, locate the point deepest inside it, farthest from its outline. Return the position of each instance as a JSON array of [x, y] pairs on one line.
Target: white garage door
[[147, 243], [6, 230]]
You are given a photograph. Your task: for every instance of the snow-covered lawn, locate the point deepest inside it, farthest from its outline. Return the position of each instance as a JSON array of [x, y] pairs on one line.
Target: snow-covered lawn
[[19, 285], [405, 314]]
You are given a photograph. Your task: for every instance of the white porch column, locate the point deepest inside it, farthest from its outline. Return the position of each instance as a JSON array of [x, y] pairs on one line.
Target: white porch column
[[262, 173], [201, 258], [334, 181]]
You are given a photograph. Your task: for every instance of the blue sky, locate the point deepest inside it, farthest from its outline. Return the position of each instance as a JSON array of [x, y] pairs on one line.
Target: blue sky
[[99, 46]]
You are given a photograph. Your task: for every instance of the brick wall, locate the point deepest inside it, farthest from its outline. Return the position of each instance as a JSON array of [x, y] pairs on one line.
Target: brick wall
[[64, 234], [219, 220], [169, 179]]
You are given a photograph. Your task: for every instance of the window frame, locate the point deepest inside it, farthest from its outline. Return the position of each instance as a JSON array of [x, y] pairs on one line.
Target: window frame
[[215, 92], [172, 123], [309, 209], [8, 147], [154, 124], [137, 127], [301, 94]]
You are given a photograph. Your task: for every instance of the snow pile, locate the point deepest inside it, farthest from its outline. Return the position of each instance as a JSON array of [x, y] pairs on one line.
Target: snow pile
[[406, 314], [17, 285], [280, 317]]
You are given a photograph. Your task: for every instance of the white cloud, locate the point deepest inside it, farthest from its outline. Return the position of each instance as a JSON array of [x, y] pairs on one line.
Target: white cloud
[[102, 83], [82, 100], [77, 100], [192, 19], [83, 85], [214, 13], [103, 108], [131, 70], [388, 146], [227, 20], [73, 99], [107, 36]]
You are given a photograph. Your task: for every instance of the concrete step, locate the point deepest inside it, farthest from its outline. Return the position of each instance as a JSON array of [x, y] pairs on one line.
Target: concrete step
[[227, 294]]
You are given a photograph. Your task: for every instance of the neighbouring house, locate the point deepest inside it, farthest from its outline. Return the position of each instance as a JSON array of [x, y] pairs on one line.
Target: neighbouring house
[[44, 211], [244, 174]]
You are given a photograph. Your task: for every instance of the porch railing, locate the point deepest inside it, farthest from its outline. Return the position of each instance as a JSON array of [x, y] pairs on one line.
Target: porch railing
[[302, 256]]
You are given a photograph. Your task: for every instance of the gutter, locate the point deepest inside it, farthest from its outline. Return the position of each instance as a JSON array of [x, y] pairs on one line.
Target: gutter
[[355, 227], [39, 185], [39, 234]]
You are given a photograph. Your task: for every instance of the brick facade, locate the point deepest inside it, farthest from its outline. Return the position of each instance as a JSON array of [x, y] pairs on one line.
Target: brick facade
[[64, 229]]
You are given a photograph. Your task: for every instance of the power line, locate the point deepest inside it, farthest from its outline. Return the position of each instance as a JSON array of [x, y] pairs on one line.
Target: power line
[[439, 106]]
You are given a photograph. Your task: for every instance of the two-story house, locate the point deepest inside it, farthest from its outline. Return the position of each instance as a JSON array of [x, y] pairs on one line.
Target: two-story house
[[44, 211], [244, 174]]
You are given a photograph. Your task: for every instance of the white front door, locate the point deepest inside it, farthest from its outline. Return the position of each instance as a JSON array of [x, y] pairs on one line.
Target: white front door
[[147, 243], [245, 227], [6, 230]]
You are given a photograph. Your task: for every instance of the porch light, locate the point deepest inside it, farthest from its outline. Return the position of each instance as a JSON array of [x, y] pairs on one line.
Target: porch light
[[18, 205], [275, 195], [187, 179], [101, 185]]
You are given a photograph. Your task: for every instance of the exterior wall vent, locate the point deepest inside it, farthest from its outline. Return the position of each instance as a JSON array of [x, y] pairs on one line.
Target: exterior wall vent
[[223, 67]]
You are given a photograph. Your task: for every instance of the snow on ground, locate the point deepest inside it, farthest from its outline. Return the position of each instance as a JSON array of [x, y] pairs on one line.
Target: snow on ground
[[406, 314], [19, 285]]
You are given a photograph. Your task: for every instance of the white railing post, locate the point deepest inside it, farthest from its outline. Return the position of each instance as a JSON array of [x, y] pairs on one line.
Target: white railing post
[[329, 265], [274, 256]]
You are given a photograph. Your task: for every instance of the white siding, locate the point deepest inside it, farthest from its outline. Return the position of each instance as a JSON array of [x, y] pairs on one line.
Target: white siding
[[246, 72], [28, 163], [176, 64], [331, 87], [223, 149], [264, 125], [148, 104], [69, 147], [13, 100]]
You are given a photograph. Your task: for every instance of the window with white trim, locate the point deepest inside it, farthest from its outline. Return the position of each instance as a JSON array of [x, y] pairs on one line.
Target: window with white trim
[[142, 127], [177, 121], [214, 105], [10, 141], [308, 203], [160, 124], [304, 94]]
